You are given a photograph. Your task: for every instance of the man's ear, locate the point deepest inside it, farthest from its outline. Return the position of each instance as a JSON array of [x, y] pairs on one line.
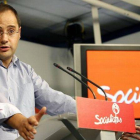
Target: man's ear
[[19, 32]]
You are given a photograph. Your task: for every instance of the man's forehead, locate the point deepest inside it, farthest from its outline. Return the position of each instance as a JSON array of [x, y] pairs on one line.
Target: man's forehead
[[8, 19], [7, 15], [7, 12]]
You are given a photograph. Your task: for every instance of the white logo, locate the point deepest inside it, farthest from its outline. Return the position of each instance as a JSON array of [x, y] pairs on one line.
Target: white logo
[[111, 119], [115, 108], [125, 97]]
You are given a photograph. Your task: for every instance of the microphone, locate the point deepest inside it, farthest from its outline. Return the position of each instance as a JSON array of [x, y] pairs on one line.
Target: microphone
[[56, 65], [72, 70]]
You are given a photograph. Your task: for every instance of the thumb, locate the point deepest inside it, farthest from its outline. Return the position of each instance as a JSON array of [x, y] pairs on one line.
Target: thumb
[[40, 113]]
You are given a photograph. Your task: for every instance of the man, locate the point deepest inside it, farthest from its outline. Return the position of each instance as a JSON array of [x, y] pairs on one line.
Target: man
[[21, 89], [128, 136]]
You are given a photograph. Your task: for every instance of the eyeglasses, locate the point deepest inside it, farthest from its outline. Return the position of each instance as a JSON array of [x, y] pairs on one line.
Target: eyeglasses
[[10, 33]]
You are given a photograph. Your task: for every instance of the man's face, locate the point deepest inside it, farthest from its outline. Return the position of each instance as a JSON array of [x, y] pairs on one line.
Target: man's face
[[8, 42]]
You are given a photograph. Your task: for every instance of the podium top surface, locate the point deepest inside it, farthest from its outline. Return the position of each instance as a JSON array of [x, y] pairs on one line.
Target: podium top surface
[[68, 116]]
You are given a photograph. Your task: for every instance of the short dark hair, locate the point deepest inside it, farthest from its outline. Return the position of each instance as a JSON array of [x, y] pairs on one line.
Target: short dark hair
[[6, 7]]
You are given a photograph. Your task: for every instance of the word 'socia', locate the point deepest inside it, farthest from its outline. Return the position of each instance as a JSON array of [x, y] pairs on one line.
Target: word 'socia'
[[124, 96]]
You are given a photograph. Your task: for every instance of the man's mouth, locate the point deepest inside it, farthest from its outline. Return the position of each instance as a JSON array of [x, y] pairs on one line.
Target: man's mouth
[[4, 48]]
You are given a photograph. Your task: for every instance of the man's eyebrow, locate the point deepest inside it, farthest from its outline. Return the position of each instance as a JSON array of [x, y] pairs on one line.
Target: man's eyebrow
[[10, 26]]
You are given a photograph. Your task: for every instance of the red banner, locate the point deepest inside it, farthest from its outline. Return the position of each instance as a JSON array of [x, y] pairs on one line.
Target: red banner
[[105, 115], [117, 72]]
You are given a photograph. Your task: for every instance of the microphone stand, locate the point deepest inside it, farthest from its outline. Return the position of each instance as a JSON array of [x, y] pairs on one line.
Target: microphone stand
[[72, 70], [56, 65]]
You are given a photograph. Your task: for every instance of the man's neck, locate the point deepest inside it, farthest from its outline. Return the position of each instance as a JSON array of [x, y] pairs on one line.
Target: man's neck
[[6, 63]]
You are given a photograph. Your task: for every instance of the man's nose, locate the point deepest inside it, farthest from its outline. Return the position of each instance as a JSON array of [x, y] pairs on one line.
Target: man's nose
[[4, 38]]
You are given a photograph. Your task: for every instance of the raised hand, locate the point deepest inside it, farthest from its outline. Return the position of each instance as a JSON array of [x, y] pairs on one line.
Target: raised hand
[[24, 125]]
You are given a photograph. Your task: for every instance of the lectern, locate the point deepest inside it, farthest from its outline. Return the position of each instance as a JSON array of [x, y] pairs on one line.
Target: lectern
[[95, 120], [64, 127]]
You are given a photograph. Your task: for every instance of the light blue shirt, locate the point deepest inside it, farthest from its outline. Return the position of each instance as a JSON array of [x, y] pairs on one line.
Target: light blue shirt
[[21, 90]]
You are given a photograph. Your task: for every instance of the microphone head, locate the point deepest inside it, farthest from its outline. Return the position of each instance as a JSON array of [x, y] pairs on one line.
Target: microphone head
[[56, 65], [70, 69]]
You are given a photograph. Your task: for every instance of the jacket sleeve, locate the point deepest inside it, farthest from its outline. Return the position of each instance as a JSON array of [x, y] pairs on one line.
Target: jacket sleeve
[[6, 109]]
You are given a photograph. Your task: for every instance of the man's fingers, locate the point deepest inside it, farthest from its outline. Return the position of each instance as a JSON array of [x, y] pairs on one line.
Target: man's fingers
[[24, 136], [137, 131], [40, 114], [137, 128], [26, 129], [33, 121], [28, 134], [125, 138], [131, 135], [30, 128]]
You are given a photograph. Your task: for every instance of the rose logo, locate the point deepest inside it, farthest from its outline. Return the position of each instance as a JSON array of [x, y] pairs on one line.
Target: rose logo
[[115, 108]]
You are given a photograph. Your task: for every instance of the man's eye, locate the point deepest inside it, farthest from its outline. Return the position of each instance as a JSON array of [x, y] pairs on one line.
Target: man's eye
[[1, 32], [11, 31]]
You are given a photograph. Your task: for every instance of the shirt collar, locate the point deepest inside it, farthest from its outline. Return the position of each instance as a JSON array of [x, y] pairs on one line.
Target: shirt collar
[[14, 60], [1, 63]]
